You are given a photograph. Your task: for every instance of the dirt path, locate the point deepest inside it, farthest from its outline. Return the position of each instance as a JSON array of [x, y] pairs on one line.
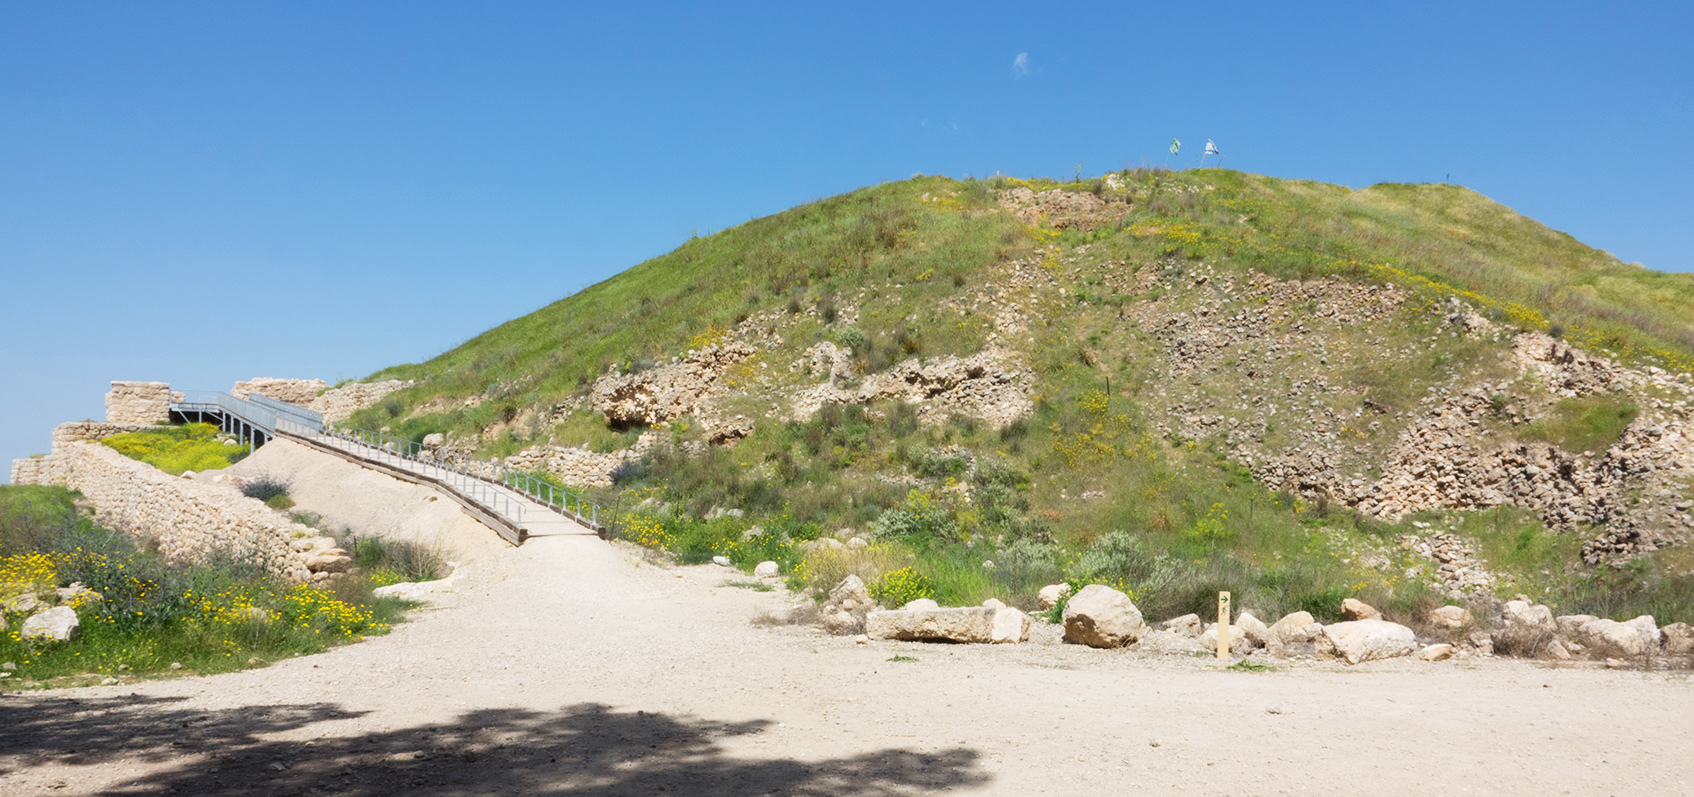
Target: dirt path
[[568, 667]]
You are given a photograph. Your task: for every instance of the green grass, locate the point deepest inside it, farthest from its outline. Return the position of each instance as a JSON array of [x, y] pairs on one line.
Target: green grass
[[1591, 423], [177, 449], [906, 659], [217, 616], [1179, 520]]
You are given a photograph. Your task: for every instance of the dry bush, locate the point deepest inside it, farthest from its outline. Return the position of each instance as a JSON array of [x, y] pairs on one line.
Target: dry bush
[[824, 568]]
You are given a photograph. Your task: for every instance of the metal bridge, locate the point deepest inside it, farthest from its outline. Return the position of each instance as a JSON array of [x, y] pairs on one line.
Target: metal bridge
[[486, 489]]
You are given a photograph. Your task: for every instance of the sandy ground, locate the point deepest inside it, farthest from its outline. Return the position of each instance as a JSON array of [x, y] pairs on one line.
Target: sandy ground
[[570, 667], [370, 503]]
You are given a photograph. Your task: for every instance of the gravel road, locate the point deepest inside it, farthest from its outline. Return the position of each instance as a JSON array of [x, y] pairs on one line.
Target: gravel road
[[570, 666]]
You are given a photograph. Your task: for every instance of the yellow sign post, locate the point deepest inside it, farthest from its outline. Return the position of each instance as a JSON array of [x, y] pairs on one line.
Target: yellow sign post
[[1223, 626]]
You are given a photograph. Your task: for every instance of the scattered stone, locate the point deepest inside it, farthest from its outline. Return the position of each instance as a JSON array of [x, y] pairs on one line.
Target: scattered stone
[[1633, 639], [1677, 639], [848, 604], [1187, 625], [1257, 634], [108, 681], [77, 595], [1238, 641], [1556, 651], [1451, 618], [12, 666], [434, 440], [1101, 617], [329, 560], [1440, 652], [1293, 635], [979, 624], [416, 591], [26, 603], [857, 544], [176, 665], [766, 570], [1354, 609], [1525, 629], [861, 639], [58, 624], [920, 605], [1274, 708], [722, 561], [1358, 641], [1570, 625], [1051, 594]]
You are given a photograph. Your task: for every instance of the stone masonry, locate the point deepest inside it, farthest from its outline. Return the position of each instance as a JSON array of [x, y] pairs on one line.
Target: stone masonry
[[139, 403]]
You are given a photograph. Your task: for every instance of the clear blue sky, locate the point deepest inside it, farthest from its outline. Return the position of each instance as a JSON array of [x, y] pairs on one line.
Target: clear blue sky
[[206, 192]]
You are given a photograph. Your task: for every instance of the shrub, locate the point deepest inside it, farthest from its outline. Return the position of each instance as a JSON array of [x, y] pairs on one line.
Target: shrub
[[177, 449], [900, 587], [266, 488], [392, 561], [849, 337]]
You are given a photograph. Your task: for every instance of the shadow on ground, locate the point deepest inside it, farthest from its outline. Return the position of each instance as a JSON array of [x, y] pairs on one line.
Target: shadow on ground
[[587, 749]]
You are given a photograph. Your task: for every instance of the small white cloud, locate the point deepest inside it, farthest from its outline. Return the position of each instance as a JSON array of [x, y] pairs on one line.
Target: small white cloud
[[1020, 64]]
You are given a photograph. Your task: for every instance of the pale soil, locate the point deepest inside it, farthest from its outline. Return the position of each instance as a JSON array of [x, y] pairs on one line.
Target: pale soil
[[370, 503], [568, 666]]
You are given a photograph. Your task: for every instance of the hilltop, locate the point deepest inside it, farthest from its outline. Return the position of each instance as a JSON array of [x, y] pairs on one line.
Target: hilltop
[[1175, 382]]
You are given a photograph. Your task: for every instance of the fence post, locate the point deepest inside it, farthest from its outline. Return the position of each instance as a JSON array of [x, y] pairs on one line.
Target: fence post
[[1223, 626]]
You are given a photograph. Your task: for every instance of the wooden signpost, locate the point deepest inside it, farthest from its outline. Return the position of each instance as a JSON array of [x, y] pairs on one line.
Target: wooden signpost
[[1223, 626]]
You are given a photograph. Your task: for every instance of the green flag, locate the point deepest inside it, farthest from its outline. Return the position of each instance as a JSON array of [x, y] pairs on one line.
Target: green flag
[[1175, 145]]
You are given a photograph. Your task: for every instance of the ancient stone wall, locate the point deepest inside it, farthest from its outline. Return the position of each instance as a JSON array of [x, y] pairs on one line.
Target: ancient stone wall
[[192, 520], [314, 394], [294, 391], [338, 404], [34, 470], [577, 467], [139, 403]]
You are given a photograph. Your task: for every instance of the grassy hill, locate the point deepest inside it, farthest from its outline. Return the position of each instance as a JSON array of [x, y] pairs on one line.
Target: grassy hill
[[1191, 345]]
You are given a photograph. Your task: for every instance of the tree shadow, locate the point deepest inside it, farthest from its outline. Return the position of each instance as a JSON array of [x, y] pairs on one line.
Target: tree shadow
[[586, 749]]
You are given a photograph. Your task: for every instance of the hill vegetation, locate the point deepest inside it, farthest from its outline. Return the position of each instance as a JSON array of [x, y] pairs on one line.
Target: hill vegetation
[[1219, 368]]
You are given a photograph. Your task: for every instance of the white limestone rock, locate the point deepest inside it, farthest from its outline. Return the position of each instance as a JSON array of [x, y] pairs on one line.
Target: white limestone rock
[[1101, 617]]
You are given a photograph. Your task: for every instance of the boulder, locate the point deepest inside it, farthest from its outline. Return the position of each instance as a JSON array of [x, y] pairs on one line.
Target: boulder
[[1256, 632], [1358, 641], [58, 624], [1677, 639], [920, 605], [979, 624], [332, 560], [857, 544], [76, 594], [1525, 629], [1051, 594], [844, 612], [1441, 652], [1451, 618], [1186, 625], [1354, 609], [1238, 641], [434, 440], [416, 591], [1634, 639], [1101, 617], [1570, 625], [22, 604], [766, 570], [1293, 635]]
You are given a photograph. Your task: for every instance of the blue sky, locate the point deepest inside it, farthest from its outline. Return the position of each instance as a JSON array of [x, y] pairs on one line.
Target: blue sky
[[206, 192]]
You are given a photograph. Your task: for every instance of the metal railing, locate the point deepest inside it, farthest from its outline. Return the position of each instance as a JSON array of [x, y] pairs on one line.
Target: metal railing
[[405, 455], [553, 497], [479, 481], [260, 411]]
